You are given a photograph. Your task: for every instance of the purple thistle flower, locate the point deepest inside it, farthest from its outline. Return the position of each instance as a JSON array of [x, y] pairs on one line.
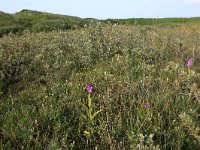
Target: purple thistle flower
[[90, 88], [147, 104], [190, 62]]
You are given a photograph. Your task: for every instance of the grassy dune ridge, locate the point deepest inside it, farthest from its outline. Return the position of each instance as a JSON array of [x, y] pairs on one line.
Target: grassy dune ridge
[[36, 21], [44, 103]]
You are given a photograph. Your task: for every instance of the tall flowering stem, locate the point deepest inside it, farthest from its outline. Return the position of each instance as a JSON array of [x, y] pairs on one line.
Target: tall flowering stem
[[90, 88], [90, 114], [189, 65]]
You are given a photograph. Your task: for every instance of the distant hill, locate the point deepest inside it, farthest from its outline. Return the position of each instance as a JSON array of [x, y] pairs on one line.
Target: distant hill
[[36, 21]]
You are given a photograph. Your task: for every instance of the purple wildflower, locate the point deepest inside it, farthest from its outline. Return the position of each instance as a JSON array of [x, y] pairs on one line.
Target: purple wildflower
[[90, 88], [146, 104], [190, 62]]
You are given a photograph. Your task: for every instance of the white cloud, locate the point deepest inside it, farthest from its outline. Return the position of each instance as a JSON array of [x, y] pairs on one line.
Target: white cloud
[[192, 1]]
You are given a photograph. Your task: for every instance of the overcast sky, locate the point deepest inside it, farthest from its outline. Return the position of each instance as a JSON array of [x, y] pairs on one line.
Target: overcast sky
[[103, 9]]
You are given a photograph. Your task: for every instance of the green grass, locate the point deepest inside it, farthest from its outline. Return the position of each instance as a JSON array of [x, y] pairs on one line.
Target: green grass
[[44, 103]]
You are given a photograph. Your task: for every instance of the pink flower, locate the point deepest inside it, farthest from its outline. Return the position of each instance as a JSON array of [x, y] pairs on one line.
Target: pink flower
[[190, 62], [90, 88], [146, 104]]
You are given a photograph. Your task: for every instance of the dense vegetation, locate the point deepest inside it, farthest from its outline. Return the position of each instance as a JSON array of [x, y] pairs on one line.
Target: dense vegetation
[[36, 21], [144, 97], [155, 21]]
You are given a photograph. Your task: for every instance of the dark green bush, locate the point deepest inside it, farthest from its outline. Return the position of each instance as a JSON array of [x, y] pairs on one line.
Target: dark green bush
[[49, 25]]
